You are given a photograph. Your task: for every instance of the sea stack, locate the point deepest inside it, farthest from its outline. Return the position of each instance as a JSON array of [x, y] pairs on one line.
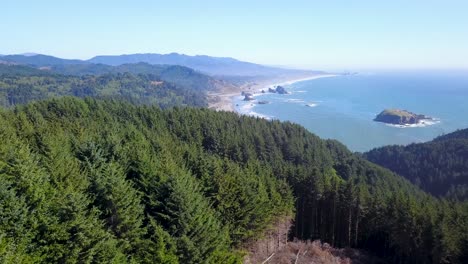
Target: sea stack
[[281, 90], [248, 96], [278, 89], [400, 117]]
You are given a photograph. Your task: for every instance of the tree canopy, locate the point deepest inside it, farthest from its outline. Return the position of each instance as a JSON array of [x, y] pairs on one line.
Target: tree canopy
[[439, 167], [91, 181]]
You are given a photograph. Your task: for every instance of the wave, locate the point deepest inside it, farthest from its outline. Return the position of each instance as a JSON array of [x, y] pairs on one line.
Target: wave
[[422, 123], [300, 101], [294, 100], [246, 109], [255, 114]]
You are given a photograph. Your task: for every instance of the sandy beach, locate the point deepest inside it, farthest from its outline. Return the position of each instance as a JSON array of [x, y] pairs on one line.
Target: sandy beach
[[223, 99]]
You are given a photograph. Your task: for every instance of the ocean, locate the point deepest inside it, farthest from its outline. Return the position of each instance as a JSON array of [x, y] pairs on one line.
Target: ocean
[[343, 107]]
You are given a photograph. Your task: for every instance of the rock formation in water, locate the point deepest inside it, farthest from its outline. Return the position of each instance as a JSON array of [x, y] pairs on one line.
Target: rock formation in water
[[400, 117]]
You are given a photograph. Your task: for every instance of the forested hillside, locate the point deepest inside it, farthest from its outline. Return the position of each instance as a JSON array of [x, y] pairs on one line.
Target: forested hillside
[[459, 134], [83, 181], [107, 181], [19, 70], [180, 75], [169, 86], [439, 167]]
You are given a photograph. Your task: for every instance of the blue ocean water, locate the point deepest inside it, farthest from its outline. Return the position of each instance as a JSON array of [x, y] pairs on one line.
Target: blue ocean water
[[343, 107]]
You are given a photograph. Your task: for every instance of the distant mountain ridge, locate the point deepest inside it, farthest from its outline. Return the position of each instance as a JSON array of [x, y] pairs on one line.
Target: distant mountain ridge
[[222, 66], [28, 54], [39, 60], [203, 63]]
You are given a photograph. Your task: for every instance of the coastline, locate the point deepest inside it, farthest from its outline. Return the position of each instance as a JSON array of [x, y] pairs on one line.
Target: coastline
[[224, 99]]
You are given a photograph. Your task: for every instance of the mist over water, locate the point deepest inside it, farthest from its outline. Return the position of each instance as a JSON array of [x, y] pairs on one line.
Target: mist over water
[[343, 107]]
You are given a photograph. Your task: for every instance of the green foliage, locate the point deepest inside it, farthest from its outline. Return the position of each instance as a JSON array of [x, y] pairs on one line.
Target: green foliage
[[188, 217], [439, 167], [18, 85], [176, 74], [19, 70], [91, 181]]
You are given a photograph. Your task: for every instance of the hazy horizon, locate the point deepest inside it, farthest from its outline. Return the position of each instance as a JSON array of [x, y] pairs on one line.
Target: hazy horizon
[[306, 34], [366, 70]]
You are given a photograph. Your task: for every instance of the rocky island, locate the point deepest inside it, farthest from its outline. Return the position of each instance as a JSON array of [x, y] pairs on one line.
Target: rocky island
[[247, 96], [400, 117], [278, 89]]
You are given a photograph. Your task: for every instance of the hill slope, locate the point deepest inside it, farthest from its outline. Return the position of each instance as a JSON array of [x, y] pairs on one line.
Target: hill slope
[[439, 167], [39, 60], [19, 70], [180, 75], [103, 181], [173, 86], [459, 134]]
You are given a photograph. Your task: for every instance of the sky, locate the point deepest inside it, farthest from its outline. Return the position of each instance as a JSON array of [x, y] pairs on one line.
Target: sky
[[335, 34]]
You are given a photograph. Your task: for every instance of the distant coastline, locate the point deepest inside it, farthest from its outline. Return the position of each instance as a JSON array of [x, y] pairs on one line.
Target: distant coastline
[[224, 99], [246, 109]]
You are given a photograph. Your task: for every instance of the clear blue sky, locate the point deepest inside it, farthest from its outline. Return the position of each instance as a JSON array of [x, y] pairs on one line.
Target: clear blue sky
[[317, 34]]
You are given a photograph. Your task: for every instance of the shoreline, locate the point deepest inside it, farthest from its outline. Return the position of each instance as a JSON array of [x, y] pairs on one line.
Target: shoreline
[[295, 80], [225, 100]]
